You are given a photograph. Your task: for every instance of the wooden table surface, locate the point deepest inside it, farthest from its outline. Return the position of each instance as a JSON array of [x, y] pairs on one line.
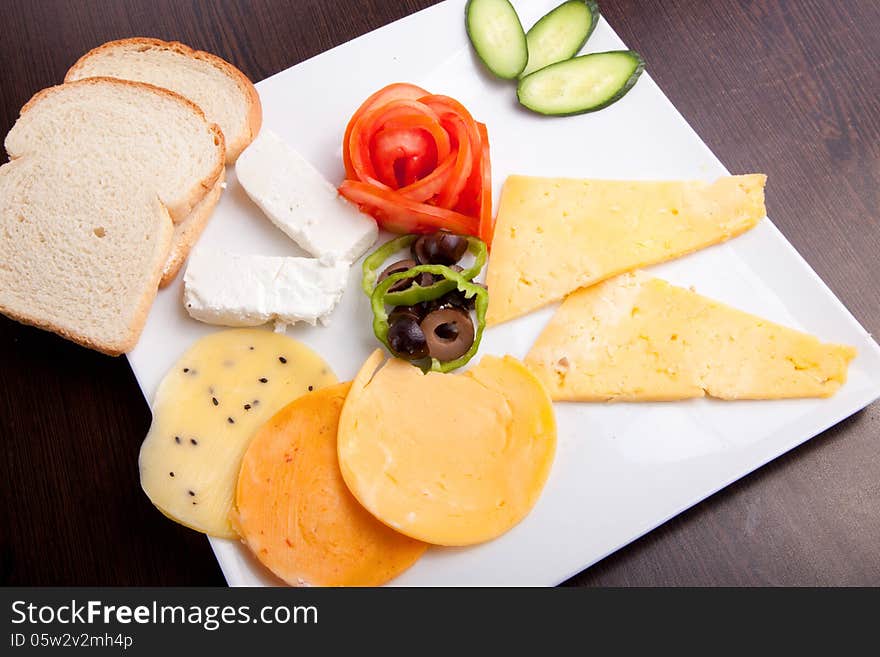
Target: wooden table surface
[[787, 88]]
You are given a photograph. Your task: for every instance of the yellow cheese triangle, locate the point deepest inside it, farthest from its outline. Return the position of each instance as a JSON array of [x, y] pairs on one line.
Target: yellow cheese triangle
[[555, 235], [637, 338]]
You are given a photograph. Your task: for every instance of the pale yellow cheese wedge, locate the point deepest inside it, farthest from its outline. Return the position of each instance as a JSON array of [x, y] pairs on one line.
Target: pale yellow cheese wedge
[[638, 338], [206, 410], [447, 459], [555, 235]]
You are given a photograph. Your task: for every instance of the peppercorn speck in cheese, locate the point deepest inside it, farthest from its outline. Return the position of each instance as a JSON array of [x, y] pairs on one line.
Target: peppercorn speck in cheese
[[207, 408]]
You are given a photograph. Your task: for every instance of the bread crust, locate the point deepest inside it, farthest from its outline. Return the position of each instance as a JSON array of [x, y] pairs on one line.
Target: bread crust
[[234, 147], [181, 211], [187, 232], [163, 238], [139, 317]]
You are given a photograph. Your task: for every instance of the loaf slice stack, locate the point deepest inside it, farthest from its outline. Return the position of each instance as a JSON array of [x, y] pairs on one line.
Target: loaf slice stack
[[225, 95], [100, 172]]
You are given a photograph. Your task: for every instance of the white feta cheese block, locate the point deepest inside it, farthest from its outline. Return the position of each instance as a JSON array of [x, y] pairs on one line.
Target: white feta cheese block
[[248, 290], [301, 202]]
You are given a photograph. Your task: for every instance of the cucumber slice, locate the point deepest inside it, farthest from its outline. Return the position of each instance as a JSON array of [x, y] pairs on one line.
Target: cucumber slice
[[583, 84], [497, 35], [560, 34]]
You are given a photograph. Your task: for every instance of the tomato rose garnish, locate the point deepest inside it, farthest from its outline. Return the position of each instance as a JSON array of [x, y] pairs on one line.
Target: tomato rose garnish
[[418, 163]]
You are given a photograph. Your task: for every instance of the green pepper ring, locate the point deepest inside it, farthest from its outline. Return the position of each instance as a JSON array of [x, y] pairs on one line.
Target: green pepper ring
[[375, 260], [414, 294], [379, 299]]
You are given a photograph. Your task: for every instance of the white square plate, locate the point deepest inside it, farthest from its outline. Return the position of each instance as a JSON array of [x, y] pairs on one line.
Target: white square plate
[[620, 469]]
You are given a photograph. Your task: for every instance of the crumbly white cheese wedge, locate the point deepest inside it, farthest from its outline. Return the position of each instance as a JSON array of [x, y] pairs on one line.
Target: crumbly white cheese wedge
[[248, 290], [301, 202]]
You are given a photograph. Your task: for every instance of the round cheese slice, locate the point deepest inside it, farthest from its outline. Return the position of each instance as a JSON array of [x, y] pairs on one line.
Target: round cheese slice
[[205, 412], [447, 459], [295, 513]]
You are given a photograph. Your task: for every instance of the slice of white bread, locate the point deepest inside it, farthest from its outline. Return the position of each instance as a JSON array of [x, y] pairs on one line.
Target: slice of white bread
[[99, 169], [187, 232], [225, 94]]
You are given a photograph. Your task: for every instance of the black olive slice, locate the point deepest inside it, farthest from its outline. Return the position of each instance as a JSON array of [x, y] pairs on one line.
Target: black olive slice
[[425, 279], [439, 249], [449, 333], [396, 268], [454, 299], [406, 339], [418, 250], [399, 312]]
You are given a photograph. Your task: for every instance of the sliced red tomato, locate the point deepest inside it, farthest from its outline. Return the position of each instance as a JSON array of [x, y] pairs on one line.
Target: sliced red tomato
[[427, 188], [418, 162], [396, 91], [487, 224], [461, 171], [398, 214]]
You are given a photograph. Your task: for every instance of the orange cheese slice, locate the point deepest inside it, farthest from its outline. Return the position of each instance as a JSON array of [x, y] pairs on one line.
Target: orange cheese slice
[[447, 459], [555, 235], [638, 338], [295, 513]]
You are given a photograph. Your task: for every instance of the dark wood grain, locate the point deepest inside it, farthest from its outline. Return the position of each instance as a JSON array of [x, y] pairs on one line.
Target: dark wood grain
[[789, 88]]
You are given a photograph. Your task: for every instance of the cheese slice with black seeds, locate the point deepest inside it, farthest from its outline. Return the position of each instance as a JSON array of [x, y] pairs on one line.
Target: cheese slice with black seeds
[[207, 408]]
